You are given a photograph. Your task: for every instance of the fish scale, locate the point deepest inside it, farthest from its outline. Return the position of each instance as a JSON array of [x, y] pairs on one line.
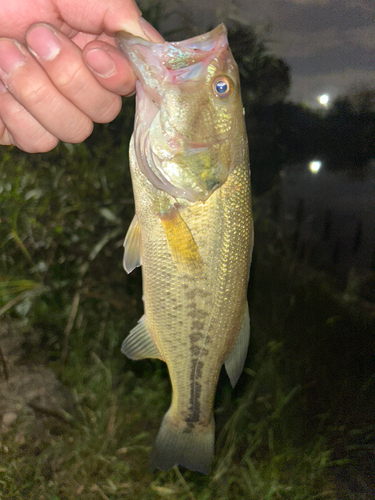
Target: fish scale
[[195, 251]]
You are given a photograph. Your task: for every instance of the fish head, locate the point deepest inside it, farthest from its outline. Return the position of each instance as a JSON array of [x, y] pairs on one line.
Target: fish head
[[189, 109]]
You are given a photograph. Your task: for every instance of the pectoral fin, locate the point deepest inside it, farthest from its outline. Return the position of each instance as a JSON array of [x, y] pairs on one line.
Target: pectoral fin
[[236, 359], [132, 246], [181, 242], [139, 343]]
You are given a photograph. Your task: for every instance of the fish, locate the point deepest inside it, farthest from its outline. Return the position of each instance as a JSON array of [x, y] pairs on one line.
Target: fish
[[192, 232]]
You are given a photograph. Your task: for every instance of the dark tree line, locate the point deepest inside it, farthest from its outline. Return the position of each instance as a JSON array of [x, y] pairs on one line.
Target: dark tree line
[[282, 132]]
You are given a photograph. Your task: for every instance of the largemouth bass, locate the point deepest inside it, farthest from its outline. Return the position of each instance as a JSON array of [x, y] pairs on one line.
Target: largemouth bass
[[192, 232]]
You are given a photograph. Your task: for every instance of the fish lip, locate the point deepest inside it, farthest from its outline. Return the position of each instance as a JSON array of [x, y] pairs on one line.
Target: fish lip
[[175, 56], [197, 42], [124, 40], [202, 42]]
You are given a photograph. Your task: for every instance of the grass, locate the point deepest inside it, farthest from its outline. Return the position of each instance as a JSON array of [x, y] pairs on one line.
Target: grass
[[63, 218], [103, 452]]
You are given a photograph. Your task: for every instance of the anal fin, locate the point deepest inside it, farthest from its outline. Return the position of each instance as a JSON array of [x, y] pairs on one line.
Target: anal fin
[[235, 362], [139, 344]]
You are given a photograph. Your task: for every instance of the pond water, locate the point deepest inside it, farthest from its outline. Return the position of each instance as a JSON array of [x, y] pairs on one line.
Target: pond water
[[331, 218]]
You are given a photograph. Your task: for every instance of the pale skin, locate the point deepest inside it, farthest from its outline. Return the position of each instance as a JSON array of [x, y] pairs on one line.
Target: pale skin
[[60, 70]]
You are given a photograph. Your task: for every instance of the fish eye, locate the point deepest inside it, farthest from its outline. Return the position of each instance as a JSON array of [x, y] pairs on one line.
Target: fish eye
[[222, 87]]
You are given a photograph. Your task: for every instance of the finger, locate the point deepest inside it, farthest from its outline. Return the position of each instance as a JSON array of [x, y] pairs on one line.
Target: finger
[[82, 39], [110, 67], [150, 31], [100, 58], [109, 16], [5, 138], [26, 80], [62, 61], [18, 127], [96, 16]]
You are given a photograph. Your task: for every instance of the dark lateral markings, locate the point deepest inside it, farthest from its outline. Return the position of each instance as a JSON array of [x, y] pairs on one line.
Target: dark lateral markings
[[195, 394], [197, 341]]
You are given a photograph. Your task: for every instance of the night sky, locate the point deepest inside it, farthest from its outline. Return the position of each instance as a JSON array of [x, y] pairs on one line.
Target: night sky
[[328, 44]]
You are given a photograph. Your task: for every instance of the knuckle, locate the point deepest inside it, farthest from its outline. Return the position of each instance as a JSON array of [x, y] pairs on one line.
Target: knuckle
[[5, 138], [108, 110], [82, 131], [34, 94], [71, 78], [35, 139], [45, 144]]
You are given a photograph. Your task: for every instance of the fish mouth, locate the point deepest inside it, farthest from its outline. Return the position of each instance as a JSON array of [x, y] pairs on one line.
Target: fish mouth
[[173, 55], [180, 61]]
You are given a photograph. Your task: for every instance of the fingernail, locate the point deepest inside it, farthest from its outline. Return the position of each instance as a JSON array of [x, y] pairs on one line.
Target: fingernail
[[150, 31], [43, 42], [11, 56], [100, 62]]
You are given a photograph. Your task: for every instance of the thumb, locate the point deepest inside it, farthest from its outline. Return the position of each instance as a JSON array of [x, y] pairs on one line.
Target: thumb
[[101, 16]]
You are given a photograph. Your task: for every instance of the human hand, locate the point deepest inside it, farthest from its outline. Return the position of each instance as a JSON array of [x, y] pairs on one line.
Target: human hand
[[59, 76]]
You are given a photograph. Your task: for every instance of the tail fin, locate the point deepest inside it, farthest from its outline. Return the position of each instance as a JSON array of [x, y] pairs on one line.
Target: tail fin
[[191, 448]]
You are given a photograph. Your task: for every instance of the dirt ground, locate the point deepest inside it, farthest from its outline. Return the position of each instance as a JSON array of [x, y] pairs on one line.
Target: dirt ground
[[31, 397]]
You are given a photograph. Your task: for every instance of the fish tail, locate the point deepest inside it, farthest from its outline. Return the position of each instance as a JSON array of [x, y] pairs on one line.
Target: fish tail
[[190, 447]]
